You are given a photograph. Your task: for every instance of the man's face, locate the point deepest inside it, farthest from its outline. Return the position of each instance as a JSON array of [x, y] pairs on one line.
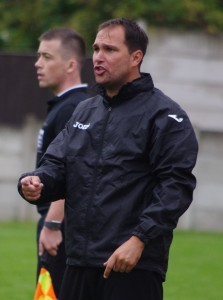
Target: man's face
[[51, 66], [113, 64]]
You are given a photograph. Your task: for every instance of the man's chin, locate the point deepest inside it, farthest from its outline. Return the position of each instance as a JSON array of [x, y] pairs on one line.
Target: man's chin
[[43, 85], [101, 81]]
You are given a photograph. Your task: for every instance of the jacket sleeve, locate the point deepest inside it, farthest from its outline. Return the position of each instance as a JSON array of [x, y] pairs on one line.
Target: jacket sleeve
[[51, 171], [172, 156]]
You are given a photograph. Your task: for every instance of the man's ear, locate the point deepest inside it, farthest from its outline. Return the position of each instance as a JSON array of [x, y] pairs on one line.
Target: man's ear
[[72, 65], [137, 57]]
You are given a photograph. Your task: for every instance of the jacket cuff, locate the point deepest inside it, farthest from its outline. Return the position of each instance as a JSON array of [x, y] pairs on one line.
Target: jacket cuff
[[141, 236]]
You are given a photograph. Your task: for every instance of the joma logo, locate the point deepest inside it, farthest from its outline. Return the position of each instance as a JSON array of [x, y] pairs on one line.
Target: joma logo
[[81, 126]]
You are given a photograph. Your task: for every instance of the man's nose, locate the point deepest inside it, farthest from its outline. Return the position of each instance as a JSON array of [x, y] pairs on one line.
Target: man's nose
[[38, 62], [98, 56]]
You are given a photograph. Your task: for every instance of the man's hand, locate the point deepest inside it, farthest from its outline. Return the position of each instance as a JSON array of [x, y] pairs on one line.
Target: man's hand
[[31, 187], [125, 257], [49, 240]]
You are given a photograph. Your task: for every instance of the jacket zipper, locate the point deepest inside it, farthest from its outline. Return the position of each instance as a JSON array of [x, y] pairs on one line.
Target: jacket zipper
[[94, 183]]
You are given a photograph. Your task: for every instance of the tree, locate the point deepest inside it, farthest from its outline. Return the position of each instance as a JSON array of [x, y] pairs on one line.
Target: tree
[[22, 21]]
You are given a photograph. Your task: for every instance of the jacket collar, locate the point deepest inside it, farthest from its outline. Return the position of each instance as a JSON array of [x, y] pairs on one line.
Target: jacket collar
[[130, 89], [66, 93]]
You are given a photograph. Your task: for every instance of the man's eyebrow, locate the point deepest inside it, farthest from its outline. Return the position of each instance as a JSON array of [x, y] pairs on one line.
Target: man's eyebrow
[[94, 45], [43, 53], [105, 46]]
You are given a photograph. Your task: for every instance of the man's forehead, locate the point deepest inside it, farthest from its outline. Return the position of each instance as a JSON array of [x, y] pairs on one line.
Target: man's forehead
[[110, 34], [49, 45], [54, 43]]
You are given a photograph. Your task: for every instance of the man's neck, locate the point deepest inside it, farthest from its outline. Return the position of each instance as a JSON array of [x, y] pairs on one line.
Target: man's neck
[[76, 86]]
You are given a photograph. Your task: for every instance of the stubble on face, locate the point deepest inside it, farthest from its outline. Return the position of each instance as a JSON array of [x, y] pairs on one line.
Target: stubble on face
[[111, 59]]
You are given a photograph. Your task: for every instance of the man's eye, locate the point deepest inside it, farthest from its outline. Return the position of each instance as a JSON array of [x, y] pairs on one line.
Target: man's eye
[[47, 56]]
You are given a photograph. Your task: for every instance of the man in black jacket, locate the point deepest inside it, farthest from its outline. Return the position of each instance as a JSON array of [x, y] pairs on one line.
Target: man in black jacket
[[124, 165], [61, 55]]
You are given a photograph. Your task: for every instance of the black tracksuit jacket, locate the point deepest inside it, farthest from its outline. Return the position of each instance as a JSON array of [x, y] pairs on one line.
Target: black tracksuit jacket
[[124, 166], [59, 111]]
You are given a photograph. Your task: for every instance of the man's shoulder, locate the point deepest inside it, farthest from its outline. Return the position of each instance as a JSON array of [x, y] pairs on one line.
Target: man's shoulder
[[92, 101], [75, 95], [71, 100], [163, 101]]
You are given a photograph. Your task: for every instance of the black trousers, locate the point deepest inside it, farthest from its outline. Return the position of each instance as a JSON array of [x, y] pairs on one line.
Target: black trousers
[[89, 284], [55, 264]]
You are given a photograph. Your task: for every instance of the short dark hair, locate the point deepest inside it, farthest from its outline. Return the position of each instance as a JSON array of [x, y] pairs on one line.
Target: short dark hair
[[71, 41], [135, 36]]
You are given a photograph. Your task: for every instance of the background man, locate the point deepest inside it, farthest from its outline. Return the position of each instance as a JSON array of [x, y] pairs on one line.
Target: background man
[[124, 162], [61, 56]]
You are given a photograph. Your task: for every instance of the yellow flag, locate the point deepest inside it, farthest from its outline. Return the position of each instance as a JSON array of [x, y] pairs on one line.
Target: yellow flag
[[44, 289]]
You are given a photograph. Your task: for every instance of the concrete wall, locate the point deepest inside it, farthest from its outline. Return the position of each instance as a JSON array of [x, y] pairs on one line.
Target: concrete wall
[[207, 209], [188, 67], [17, 155]]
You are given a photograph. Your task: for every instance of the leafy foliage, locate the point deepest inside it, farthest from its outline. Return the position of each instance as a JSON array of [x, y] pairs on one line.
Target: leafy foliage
[[22, 21]]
